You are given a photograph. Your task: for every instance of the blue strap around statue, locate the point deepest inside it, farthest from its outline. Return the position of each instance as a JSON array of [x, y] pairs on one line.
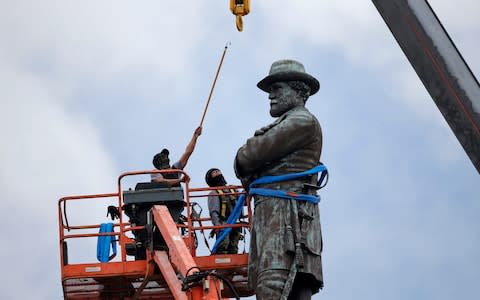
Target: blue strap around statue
[[235, 215], [104, 242]]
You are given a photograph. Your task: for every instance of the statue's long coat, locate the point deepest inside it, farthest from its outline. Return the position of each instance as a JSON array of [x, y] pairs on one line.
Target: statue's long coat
[[291, 144]]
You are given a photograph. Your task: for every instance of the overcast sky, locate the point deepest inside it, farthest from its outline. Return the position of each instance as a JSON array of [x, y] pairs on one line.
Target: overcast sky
[[91, 89]]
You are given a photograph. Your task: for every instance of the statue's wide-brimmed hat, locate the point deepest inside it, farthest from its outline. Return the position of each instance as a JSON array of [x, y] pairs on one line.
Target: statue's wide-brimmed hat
[[288, 70]]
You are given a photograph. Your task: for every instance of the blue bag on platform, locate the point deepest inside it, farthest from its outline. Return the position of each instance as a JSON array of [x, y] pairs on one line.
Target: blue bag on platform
[[104, 242]]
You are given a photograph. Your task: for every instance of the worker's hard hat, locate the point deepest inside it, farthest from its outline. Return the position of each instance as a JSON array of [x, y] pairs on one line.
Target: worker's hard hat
[[208, 176], [288, 70], [161, 160]]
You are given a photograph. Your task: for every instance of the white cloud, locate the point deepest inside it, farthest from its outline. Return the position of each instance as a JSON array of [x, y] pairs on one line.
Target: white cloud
[[46, 153], [352, 27]]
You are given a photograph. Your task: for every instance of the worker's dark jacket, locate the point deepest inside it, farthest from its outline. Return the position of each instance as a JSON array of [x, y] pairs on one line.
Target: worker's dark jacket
[[291, 144]]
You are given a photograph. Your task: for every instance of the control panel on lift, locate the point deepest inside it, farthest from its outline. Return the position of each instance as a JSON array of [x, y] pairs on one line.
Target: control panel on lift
[[137, 204]]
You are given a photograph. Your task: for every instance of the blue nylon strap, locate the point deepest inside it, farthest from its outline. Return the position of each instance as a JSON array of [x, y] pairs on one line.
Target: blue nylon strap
[[104, 242], [232, 219], [284, 195], [271, 193], [287, 177]]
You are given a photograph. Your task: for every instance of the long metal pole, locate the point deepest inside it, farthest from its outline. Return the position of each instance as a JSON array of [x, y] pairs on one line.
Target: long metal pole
[[440, 66], [214, 82]]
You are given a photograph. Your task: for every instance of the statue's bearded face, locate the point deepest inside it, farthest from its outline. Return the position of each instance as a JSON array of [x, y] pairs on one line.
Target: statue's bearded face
[[283, 98]]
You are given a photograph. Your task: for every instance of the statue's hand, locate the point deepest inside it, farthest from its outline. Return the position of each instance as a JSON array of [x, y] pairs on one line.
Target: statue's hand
[[264, 129], [259, 132], [245, 183]]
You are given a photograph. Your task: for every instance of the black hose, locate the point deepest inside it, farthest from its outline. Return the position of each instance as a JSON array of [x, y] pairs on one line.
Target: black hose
[[65, 215], [195, 279], [230, 285]]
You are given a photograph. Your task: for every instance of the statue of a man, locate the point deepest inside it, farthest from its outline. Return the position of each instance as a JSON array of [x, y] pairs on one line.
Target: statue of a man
[[286, 242]]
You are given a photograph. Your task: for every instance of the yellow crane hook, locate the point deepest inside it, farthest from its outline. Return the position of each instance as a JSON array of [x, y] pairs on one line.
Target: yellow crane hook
[[240, 8]]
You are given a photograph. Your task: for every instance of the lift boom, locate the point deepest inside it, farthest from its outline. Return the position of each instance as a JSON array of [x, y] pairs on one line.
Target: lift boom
[[440, 66]]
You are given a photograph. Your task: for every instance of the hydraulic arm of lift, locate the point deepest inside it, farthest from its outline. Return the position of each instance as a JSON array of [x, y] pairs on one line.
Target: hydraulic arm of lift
[[440, 66], [181, 258]]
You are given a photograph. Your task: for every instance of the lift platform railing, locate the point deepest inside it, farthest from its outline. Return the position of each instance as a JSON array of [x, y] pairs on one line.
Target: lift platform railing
[[123, 227], [72, 273]]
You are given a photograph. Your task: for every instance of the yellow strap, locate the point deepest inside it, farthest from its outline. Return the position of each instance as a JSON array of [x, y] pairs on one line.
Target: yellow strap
[[223, 204], [221, 192], [223, 210]]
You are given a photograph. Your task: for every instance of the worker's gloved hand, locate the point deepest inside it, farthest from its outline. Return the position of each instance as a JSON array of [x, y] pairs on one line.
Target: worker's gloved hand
[[213, 233], [183, 178], [182, 219], [113, 212]]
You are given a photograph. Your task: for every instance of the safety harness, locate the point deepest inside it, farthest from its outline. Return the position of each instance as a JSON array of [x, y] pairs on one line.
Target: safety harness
[[226, 203], [253, 190]]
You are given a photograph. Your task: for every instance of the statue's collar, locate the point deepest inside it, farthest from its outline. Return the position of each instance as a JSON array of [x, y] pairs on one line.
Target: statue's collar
[[295, 109]]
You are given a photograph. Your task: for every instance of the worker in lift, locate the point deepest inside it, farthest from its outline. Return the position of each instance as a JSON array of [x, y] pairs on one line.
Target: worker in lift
[[161, 161], [220, 205], [138, 212]]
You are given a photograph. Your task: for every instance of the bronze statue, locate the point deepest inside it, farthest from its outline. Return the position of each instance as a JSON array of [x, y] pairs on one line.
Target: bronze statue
[[286, 242]]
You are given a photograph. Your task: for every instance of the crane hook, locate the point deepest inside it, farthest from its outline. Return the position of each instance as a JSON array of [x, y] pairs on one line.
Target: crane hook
[[239, 8], [239, 23]]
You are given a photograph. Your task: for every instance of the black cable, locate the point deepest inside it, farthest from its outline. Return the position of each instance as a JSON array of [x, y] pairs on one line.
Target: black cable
[[230, 285], [219, 296], [195, 279], [195, 216], [326, 181], [194, 267], [65, 215], [195, 240]]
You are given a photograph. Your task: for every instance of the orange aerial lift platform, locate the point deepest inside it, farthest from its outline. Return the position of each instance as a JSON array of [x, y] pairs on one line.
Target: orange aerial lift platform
[[165, 262]]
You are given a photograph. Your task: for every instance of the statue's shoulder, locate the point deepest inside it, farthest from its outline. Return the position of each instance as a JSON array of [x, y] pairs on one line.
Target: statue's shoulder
[[302, 115]]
